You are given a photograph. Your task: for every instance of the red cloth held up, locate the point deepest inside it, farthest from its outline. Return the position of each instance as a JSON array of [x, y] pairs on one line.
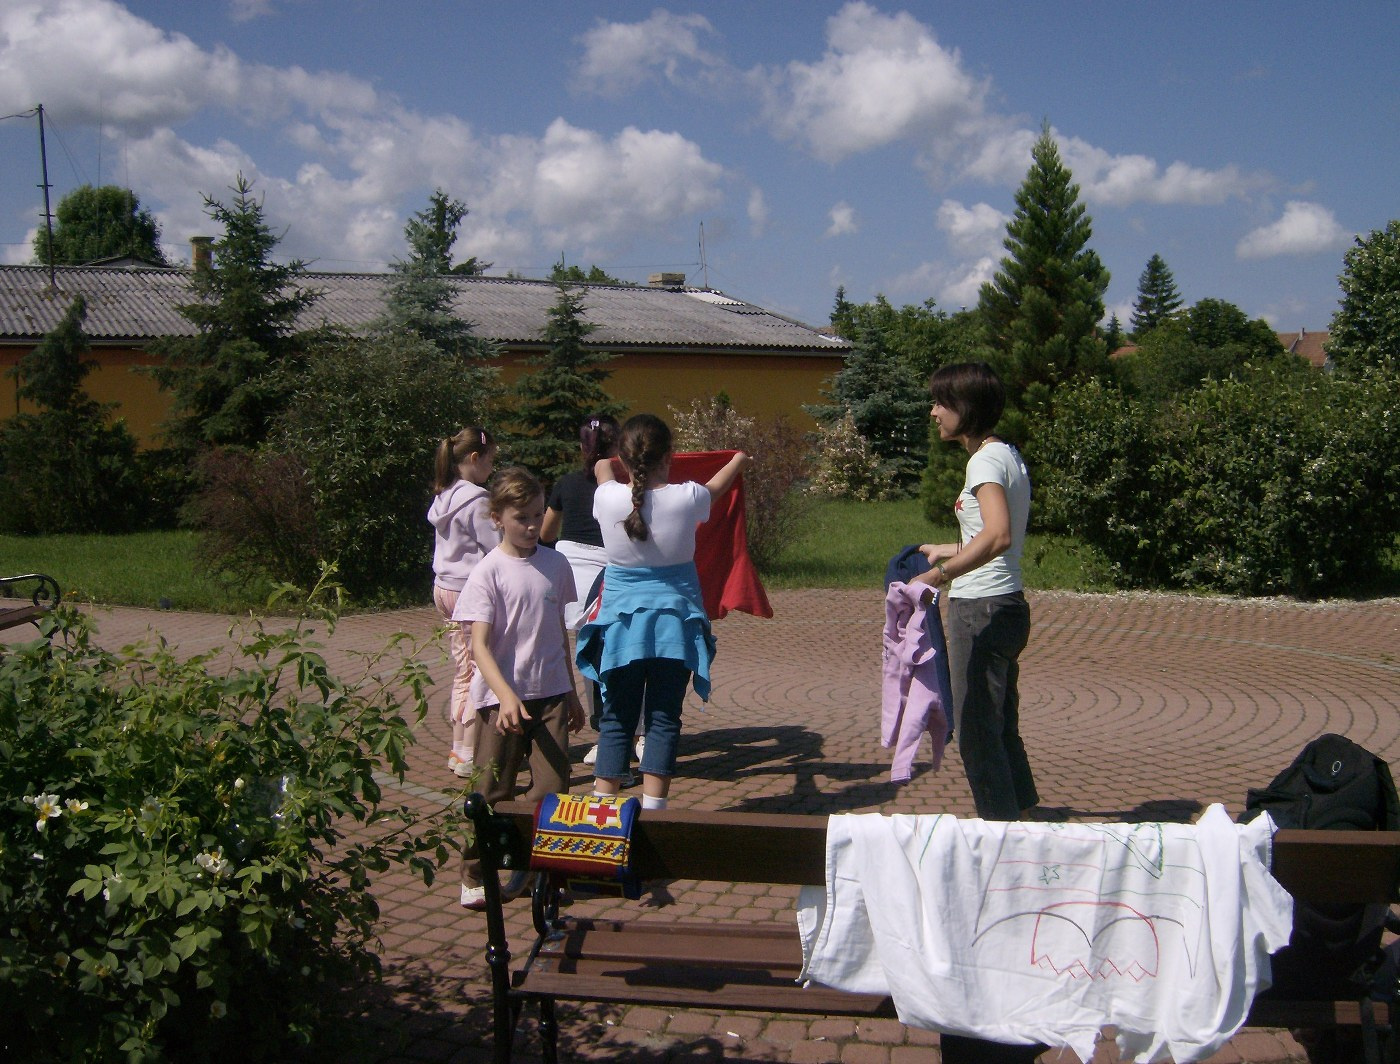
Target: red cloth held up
[[728, 579]]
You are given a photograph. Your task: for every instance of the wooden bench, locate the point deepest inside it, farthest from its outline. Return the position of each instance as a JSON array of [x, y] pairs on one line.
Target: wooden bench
[[26, 599], [753, 966]]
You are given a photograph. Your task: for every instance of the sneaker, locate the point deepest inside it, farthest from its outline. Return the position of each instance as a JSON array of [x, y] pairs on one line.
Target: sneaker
[[473, 898], [462, 767], [641, 745], [519, 882], [591, 758]]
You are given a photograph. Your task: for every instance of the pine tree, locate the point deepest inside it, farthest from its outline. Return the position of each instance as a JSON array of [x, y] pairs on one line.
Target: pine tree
[[1158, 298], [51, 375], [235, 375], [422, 295], [566, 385], [1041, 311]]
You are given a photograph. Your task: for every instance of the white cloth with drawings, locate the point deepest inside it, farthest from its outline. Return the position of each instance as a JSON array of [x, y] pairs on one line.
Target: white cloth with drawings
[[1024, 933]]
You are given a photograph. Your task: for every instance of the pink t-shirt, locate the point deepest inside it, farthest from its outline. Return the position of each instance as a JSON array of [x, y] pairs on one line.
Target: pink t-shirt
[[523, 599]]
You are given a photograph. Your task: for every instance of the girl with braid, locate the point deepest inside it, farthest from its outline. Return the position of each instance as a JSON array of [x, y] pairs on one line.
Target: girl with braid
[[651, 638]]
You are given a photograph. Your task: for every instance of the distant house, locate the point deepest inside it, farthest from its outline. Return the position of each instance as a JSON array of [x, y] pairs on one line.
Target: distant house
[[674, 342]]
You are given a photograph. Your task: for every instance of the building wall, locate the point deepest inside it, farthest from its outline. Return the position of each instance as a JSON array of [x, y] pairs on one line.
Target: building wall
[[762, 386]]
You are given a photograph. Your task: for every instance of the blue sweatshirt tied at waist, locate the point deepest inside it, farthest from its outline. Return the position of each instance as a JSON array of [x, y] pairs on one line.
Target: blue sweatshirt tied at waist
[[648, 613]]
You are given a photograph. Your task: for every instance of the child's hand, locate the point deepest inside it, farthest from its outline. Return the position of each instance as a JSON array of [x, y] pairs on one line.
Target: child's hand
[[511, 715], [575, 709]]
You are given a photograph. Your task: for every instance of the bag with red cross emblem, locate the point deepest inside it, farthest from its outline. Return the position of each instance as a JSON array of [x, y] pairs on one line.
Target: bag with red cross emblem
[[586, 837]]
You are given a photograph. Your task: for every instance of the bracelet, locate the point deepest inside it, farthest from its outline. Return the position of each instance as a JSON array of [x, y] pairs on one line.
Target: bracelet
[[942, 573]]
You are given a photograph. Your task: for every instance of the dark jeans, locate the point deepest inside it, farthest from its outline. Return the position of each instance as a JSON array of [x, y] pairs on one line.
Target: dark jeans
[[651, 690], [985, 639]]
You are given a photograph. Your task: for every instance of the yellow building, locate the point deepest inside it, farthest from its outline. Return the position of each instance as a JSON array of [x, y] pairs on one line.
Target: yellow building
[[673, 342]]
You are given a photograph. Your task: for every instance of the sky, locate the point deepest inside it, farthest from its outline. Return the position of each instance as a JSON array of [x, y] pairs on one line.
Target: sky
[[772, 149]]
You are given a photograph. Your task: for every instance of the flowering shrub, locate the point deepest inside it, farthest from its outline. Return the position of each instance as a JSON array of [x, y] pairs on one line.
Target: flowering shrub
[[186, 852], [772, 505], [847, 467]]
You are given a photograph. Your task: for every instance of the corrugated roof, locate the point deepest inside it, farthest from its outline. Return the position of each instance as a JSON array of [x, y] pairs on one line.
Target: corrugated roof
[[140, 304]]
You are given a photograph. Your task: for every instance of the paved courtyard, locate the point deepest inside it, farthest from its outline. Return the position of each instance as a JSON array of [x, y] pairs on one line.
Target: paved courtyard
[[1135, 707]]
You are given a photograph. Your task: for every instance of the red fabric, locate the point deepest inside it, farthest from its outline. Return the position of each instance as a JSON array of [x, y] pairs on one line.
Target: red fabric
[[728, 579]]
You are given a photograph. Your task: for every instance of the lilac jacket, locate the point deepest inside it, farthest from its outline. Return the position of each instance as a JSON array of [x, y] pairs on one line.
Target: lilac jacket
[[915, 694]]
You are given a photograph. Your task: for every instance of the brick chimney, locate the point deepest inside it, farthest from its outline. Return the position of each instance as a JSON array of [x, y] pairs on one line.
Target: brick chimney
[[202, 253]]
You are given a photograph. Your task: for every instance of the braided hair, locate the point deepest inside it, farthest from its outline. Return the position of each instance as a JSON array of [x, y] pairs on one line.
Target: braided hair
[[645, 444]]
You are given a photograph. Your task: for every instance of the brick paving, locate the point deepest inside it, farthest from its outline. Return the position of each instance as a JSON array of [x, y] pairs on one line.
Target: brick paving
[[1135, 707]]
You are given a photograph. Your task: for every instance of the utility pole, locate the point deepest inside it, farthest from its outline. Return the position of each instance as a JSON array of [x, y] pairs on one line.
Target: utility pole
[[48, 214]]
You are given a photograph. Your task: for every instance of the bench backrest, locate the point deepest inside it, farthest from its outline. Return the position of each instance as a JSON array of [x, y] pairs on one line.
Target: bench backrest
[[1320, 866]]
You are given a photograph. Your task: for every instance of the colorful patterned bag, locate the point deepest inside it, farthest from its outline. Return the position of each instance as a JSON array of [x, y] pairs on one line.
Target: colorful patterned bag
[[587, 839]]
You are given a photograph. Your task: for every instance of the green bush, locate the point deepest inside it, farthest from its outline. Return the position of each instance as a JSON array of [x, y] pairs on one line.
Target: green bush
[[188, 850], [1266, 484], [68, 471]]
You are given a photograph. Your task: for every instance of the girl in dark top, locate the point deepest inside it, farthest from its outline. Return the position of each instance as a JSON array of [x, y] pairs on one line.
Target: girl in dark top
[[569, 527]]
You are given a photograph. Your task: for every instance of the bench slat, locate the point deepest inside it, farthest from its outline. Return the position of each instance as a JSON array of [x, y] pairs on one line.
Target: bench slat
[[1266, 1012], [691, 945], [744, 991], [21, 615]]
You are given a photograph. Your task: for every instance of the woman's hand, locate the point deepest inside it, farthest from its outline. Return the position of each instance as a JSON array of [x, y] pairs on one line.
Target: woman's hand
[[938, 552]]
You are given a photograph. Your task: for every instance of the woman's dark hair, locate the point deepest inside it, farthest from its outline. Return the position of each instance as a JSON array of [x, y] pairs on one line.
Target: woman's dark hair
[[645, 444], [974, 392], [597, 438], [452, 451]]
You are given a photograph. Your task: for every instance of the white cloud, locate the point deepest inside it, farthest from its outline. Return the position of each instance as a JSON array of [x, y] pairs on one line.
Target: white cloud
[[883, 78], [1305, 229], [758, 212], [952, 287], [620, 56], [362, 161], [977, 230], [843, 220]]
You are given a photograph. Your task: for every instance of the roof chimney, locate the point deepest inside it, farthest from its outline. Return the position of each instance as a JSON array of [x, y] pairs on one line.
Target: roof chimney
[[666, 280], [202, 253]]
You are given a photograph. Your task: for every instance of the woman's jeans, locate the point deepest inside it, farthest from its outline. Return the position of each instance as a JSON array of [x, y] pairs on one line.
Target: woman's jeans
[[650, 689], [985, 639]]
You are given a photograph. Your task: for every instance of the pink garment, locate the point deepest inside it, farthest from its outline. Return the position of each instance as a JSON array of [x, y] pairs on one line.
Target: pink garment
[[523, 600], [459, 642], [911, 702]]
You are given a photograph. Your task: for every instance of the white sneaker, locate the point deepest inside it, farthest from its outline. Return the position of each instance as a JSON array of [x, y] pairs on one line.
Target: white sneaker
[[462, 767], [473, 898], [641, 745], [591, 758]]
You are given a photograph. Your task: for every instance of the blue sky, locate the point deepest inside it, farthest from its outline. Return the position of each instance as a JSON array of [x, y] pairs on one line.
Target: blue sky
[[871, 145]]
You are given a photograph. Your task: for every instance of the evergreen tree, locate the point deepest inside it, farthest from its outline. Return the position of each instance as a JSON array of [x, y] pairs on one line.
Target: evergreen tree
[[1113, 337], [422, 295], [1158, 298], [64, 468], [100, 223], [1041, 310], [51, 375], [1366, 328], [887, 400], [565, 386], [233, 377]]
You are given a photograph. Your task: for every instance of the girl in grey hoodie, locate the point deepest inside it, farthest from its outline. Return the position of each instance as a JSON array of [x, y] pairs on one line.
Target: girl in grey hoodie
[[462, 534]]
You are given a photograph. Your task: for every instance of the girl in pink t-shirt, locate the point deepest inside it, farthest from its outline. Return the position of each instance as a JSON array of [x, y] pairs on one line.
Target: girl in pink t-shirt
[[526, 704], [462, 534]]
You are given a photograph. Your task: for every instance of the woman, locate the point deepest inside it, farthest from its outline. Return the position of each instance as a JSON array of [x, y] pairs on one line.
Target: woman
[[570, 527], [988, 620]]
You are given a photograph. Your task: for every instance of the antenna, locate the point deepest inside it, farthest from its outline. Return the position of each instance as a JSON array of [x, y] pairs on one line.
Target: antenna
[[704, 268]]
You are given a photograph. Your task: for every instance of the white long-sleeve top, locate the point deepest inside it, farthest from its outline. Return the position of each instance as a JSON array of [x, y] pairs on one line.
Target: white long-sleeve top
[[1023, 933]]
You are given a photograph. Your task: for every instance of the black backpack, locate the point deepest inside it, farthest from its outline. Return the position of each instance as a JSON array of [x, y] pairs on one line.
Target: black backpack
[[1332, 784]]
